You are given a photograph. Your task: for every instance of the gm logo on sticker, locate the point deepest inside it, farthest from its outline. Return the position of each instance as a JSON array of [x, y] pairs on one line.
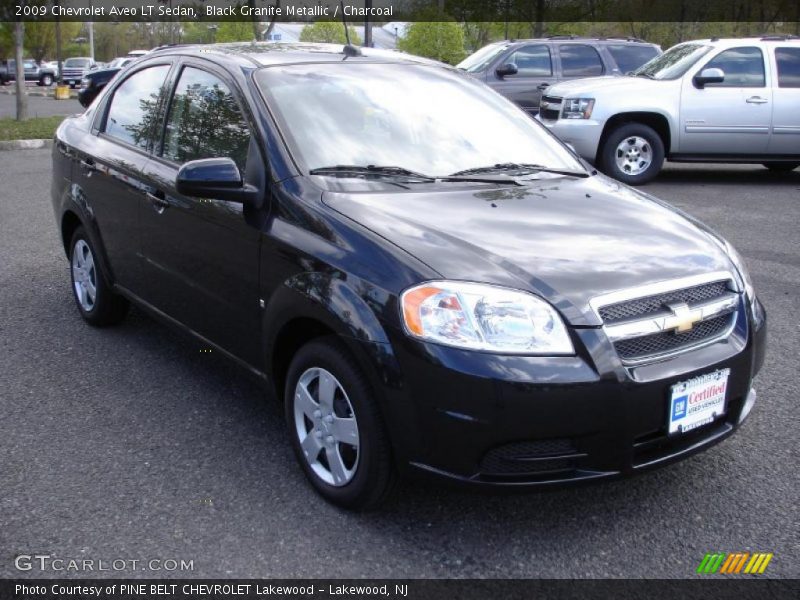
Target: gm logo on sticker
[[679, 408]]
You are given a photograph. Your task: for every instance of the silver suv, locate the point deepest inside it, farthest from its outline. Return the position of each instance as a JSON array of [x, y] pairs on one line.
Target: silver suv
[[717, 100]]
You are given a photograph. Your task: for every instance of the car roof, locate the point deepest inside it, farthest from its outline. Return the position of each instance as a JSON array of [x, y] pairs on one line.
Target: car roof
[[576, 38], [739, 41], [261, 54]]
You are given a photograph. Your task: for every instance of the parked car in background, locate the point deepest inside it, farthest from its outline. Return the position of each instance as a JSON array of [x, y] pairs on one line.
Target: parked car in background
[[53, 66], [718, 100], [40, 73], [523, 69], [439, 288], [121, 61], [75, 69], [93, 83]]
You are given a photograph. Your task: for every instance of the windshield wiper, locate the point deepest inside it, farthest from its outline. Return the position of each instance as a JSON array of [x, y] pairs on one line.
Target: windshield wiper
[[370, 170], [648, 75], [505, 167], [391, 171]]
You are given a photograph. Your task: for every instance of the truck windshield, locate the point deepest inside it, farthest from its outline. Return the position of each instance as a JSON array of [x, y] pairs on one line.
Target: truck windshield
[[673, 63], [437, 122], [77, 63], [478, 60]]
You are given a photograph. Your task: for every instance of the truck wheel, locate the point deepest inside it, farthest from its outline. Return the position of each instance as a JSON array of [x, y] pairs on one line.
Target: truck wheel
[[96, 301], [782, 167], [633, 154], [47, 80], [335, 427]]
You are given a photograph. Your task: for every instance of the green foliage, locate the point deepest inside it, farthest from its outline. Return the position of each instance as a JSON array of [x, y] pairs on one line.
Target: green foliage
[[235, 31], [440, 40], [328, 32]]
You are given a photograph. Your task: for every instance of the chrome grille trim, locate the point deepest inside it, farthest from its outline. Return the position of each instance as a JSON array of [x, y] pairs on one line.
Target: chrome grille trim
[[672, 317]]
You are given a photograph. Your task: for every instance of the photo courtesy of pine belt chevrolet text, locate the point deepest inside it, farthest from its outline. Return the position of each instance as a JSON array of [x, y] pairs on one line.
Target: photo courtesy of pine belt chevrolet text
[[429, 280]]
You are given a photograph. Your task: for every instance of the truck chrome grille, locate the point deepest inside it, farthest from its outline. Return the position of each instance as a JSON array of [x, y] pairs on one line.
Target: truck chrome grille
[[668, 318], [550, 108]]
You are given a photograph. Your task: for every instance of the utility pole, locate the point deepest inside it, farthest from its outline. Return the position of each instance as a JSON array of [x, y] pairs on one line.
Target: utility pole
[[19, 55], [91, 39], [367, 25]]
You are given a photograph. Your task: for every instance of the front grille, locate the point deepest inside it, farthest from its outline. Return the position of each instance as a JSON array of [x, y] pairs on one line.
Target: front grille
[[652, 305], [550, 108], [670, 341], [540, 456]]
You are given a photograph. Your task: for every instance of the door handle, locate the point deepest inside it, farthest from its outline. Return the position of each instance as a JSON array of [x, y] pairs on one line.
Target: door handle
[[158, 200], [756, 100], [542, 86]]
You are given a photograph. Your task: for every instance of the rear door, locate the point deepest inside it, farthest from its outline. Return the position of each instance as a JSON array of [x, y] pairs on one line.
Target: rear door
[[108, 170], [579, 61], [535, 73], [201, 258], [732, 117], [785, 138]]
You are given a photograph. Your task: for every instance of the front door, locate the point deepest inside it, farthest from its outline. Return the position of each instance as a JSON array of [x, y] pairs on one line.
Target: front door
[[200, 256], [732, 117], [534, 75]]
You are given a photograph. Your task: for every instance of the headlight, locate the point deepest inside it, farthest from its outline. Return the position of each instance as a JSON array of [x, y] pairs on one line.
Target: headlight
[[483, 317], [744, 276], [85, 82], [577, 108]]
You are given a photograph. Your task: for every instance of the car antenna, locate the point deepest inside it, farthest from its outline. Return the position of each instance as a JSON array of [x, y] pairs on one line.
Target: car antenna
[[349, 49]]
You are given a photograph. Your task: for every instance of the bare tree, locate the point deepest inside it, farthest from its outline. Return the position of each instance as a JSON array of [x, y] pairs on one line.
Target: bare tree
[[19, 55]]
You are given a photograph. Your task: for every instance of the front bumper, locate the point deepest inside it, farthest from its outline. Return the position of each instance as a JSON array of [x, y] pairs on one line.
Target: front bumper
[[583, 134], [512, 421]]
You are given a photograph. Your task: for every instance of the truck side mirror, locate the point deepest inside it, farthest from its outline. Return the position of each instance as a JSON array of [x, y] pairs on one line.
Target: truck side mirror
[[706, 76], [506, 69]]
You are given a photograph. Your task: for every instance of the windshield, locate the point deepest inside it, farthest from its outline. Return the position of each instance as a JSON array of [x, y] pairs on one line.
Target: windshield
[[421, 118], [76, 62], [673, 63], [480, 59]]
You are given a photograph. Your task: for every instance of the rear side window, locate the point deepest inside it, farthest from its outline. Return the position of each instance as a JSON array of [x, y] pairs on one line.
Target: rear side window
[[743, 67], [788, 60], [532, 61], [205, 121], [133, 113], [631, 57], [579, 60]]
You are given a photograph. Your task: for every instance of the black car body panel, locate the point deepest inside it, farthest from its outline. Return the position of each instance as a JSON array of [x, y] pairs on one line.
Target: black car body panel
[[93, 83], [310, 258]]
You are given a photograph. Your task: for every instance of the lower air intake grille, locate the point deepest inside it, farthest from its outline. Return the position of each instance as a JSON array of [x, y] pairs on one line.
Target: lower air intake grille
[[539, 456]]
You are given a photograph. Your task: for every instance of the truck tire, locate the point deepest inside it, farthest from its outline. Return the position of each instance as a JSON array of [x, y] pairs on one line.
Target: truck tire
[[46, 80], [633, 153]]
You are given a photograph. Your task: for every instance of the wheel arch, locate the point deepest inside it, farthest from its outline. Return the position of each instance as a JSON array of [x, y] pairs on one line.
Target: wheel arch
[[657, 121]]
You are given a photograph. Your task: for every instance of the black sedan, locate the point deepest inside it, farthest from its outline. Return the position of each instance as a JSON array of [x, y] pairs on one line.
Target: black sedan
[[430, 281]]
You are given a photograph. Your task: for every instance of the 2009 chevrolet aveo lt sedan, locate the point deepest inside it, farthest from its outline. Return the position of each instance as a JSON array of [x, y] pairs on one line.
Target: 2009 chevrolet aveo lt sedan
[[431, 282]]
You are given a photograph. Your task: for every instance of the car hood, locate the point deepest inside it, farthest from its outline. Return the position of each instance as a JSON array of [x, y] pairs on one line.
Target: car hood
[[566, 239], [591, 85]]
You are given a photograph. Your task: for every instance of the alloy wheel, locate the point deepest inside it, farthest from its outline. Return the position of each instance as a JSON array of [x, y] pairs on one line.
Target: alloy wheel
[[634, 155], [326, 427], [84, 275]]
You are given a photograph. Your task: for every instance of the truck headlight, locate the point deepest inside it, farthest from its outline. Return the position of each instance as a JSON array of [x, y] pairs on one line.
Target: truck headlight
[[85, 82], [484, 317], [577, 108]]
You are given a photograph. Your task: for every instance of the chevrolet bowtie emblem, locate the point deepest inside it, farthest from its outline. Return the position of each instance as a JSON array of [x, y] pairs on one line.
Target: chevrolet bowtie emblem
[[683, 318]]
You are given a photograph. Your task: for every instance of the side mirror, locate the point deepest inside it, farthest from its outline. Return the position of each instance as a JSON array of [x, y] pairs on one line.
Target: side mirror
[[707, 76], [506, 69], [216, 178]]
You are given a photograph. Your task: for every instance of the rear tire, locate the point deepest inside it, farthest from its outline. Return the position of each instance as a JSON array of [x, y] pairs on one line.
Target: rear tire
[[632, 154], [782, 167], [96, 301], [336, 429]]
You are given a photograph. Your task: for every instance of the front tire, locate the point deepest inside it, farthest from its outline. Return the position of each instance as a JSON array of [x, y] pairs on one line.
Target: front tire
[[97, 303], [782, 167], [336, 429], [633, 154], [46, 81]]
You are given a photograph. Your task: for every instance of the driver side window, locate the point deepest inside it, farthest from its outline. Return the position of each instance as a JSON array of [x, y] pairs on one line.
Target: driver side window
[[532, 61], [743, 67]]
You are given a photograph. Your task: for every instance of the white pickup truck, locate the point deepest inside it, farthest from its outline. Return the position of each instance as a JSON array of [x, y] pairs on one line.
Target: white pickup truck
[[718, 100]]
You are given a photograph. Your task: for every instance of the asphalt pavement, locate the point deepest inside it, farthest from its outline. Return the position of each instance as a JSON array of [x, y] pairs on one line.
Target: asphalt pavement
[[38, 106], [129, 443]]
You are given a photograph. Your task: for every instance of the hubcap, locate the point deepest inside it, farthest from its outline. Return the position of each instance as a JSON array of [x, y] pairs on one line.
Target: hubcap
[[84, 275], [326, 426], [634, 155]]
